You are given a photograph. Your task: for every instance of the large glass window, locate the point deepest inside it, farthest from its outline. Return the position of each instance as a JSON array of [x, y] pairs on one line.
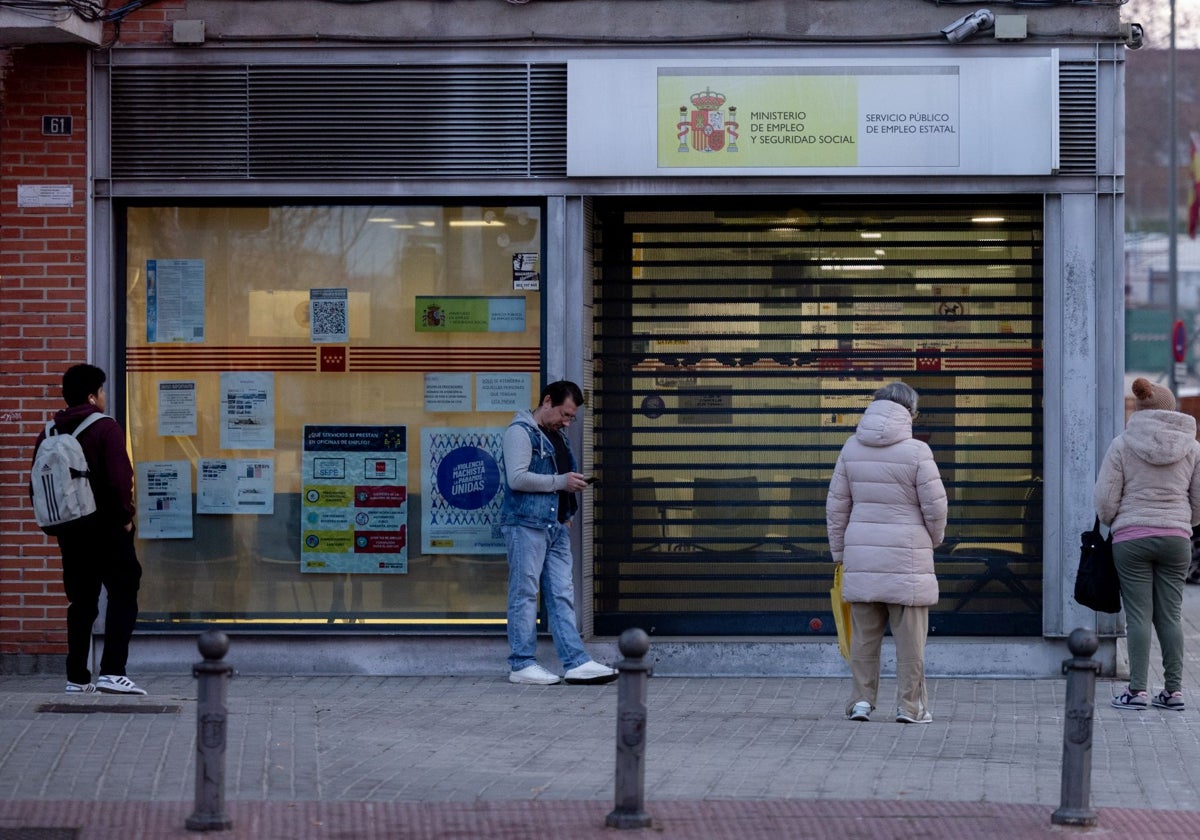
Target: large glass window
[[315, 400], [737, 345]]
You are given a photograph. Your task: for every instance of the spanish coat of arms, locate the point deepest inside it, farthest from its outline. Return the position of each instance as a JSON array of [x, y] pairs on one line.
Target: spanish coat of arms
[[708, 126]]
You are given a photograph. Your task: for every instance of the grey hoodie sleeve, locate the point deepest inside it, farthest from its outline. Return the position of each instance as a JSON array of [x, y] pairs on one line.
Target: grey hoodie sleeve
[[1194, 492], [517, 455], [1110, 484]]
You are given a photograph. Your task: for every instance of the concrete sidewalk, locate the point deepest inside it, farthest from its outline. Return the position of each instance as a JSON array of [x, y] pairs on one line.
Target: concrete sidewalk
[[441, 757], [532, 820]]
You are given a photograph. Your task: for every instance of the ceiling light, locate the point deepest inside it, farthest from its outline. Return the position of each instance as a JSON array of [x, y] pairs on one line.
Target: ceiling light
[[987, 219]]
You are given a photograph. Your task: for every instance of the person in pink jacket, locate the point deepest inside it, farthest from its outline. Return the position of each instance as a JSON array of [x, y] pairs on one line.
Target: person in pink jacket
[[885, 512], [1148, 493]]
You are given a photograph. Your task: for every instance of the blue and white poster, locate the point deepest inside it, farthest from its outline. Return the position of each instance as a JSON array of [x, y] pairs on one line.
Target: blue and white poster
[[462, 487], [175, 301]]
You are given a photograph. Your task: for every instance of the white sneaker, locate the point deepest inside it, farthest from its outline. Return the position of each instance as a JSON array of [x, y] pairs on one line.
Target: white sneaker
[[590, 673], [80, 688], [861, 711], [533, 675], [924, 717], [117, 685]]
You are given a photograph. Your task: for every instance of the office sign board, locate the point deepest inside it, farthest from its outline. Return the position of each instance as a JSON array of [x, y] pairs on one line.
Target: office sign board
[[735, 117]]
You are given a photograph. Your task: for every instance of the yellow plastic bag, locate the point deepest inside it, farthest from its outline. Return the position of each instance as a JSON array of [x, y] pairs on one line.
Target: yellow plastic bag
[[841, 613]]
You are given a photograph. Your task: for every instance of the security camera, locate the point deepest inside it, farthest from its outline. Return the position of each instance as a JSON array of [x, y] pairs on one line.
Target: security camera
[[1133, 35], [968, 25]]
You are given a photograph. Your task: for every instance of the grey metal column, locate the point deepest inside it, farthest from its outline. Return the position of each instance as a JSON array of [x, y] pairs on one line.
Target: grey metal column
[[1081, 672], [213, 675], [1172, 201], [631, 733]]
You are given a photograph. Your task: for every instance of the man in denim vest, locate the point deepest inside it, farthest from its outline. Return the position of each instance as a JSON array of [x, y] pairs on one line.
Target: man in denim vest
[[540, 483]]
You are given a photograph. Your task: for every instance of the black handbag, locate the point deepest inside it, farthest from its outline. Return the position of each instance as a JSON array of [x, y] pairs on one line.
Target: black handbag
[[1096, 583]]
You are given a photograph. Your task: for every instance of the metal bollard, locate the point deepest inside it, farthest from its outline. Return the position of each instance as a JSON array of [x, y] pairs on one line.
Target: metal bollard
[[213, 675], [631, 732], [1081, 671]]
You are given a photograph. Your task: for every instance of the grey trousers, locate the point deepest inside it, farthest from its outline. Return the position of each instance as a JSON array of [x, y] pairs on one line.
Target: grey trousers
[[910, 626], [1152, 571]]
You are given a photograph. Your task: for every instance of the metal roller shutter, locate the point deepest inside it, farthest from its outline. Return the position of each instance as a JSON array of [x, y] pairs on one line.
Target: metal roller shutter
[[736, 345]]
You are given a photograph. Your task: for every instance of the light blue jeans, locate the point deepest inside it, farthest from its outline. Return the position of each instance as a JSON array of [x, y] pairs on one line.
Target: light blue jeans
[[541, 556]]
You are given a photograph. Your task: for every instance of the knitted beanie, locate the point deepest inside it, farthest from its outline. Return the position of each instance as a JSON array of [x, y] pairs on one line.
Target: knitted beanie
[[1150, 395]]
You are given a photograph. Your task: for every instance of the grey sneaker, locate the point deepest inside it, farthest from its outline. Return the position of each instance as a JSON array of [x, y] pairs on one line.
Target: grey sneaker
[[861, 711], [590, 673], [1169, 700], [1136, 701], [904, 717], [117, 685], [533, 675]]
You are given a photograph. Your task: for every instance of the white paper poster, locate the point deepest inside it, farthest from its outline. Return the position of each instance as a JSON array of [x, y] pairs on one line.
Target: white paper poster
[[177, 408], [503, 391], [174, 300], [164, 500], [447, 392], [235, 485], [248, 410]]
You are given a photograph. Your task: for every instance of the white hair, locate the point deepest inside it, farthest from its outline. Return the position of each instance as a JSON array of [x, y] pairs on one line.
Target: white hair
[[900, 393]]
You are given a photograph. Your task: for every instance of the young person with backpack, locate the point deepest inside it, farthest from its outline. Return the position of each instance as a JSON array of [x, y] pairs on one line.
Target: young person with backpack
[[94, 535]]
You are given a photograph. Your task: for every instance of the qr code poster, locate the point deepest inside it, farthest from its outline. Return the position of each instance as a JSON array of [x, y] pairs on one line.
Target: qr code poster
[[329, 316]]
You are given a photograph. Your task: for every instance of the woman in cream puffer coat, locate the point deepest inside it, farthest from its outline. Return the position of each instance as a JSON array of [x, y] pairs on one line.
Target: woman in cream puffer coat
[[885, 512], [1148, 493]]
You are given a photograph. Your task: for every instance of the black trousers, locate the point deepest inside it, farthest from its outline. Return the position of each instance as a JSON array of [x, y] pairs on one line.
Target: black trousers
[[96, 556]]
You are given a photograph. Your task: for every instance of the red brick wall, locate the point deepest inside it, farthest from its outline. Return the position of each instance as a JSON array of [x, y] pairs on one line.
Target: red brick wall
[[43, 313], [151, 24], [43, 321]]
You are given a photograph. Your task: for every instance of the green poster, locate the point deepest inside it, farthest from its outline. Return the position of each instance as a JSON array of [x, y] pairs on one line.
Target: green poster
[[768, 117], [452, 313]]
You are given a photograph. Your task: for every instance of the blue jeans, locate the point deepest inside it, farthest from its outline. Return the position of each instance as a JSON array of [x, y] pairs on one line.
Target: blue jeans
[[541, 556]]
